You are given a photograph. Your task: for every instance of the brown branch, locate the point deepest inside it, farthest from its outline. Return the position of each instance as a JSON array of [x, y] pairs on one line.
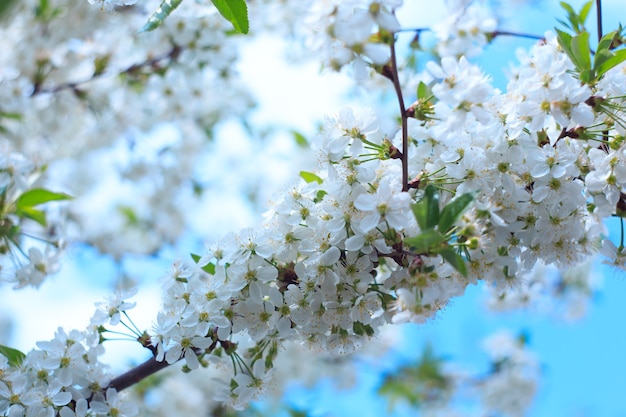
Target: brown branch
[[392, 74], [599, 18], [516, 34], [172, 55], [133, 376]]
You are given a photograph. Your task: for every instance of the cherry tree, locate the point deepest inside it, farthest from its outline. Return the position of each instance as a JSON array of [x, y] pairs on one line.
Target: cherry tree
[[470, 185]]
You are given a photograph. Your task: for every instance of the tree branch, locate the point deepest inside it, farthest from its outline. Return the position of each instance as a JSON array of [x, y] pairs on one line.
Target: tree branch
[[516, 34], [172, 55], [133, 376], [599, 18], [395, 79]]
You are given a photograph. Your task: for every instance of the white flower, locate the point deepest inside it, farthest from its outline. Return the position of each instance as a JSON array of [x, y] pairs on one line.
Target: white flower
[[616, 256], [115, 405], [550, 160], [466, 29], [110, 310], [45, 399], [386, 204]]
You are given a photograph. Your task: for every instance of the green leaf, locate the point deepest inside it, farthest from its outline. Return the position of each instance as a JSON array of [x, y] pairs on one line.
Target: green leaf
[[565, 40], [426, 211], [587, 76], [208, 268], [563, 23], [10, 115], [419, 212], [235, 11], [567, 8], [158, 17], [453, 210], [576, 20], [319, 196], [618, 57], [129, 214], [38, 196], [310, 177], [453, 258], [422, 90], [601, 56], [584, 11], [14, 356], [571, 16], [606, 41], [300, 139], [5, 7], [33, 214], [426, 242], [581, 52]]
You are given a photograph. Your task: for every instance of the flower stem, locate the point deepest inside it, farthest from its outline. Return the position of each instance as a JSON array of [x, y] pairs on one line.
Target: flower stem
[[621, 241]]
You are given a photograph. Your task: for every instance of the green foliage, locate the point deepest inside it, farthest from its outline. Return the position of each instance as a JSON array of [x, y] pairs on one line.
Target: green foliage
[[26, 203], [421, 382], [453, 210], [14, 356], [605, 58], [131, 216], [576, 21], [208, 268], [310, 177], [579, 52], [45, 12], [426, 211], [38, 196], [319, 196], [438, 227], [5, 7], [235, 11], [300, 139]]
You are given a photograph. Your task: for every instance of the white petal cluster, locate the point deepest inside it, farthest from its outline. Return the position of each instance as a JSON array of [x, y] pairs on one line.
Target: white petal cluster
[[328, 268], [345, 32], [330, 265], [511, 387], [466, 30], [32, 239], [80, 90], [62, 377]]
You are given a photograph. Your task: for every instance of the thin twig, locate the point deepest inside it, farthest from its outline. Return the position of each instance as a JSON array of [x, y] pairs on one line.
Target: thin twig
[[172, 54], [599, 18], [516, 34], [395, 79]]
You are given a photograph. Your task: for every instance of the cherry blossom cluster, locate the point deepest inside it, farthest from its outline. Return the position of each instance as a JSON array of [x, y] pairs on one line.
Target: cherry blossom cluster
[[65, 376], [81, 90], [342, 32], [440, 387], [31, 238], [333, 261], [353, 246]]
